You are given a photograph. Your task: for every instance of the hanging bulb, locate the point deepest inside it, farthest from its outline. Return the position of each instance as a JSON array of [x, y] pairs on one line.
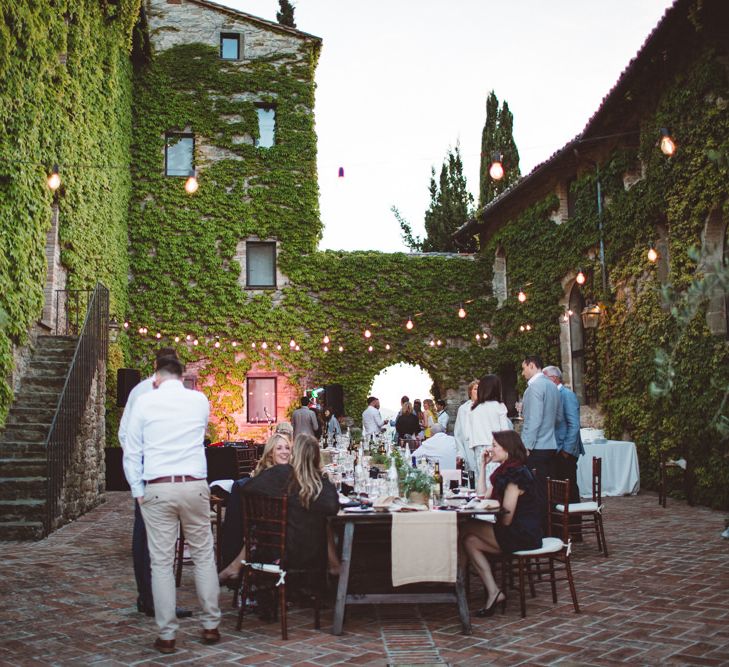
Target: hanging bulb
[[521, 296], [668, 146], [126, 325], [367, 333], [195, 342], [462, 312], [496, 170], [188, 337], [191, 184], [478, 336], [216, 344], [278, 346], [438, 342], [54, 179], [325, 348], [387, 346], [580, 279], [370, 348], [158, 335], [292, 343], [409, 324], [341, 348], [297, 348], [234, 343], [652, 254], [177, 339], [432, 343], [325, 340], [264, 345]]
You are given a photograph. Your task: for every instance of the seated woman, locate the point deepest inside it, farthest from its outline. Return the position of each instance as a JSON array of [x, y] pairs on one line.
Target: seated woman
[[312, 498], [277, 451], [513, 485]]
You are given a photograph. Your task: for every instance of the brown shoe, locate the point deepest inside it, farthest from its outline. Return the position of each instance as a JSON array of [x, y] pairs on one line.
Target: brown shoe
[[210, 636], [165, 645]]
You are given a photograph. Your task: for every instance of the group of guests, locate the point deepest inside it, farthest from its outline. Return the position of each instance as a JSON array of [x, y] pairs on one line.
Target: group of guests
[[417, 421], [307, 420]]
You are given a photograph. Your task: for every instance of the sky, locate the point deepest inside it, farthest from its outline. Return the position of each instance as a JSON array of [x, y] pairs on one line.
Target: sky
[[400, 82]]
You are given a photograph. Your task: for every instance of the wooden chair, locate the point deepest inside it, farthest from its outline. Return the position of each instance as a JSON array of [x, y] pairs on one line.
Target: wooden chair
[[264, 531], [246, 459], [216, 525], [554, 551], [590, 512], [664, 465]]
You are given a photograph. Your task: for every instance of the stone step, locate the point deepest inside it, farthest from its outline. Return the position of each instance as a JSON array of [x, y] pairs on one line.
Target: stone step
[[40, 414], [22, 450], [30, 432], [56, 342], [22, 510], [26, 488], [30, 398], [21, 530], [31, 383], [23, 466], [52, 356], [50, 368]]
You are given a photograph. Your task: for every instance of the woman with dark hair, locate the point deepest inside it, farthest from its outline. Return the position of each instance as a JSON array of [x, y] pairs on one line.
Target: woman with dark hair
[[487, 415], [519, 528], [332, 423]]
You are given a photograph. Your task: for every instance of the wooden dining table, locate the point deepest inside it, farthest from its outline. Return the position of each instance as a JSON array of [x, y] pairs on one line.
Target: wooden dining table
[[445, 593]]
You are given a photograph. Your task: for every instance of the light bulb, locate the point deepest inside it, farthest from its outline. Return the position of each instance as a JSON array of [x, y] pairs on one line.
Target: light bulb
[[216, 345], [126, 325], [177, 339], [521, 296], [496, 170], [191, 184], [521, 328], [264, 345], [652, 254], [188, 337], [438, 342], [580, 279], [432, 343], [387, 346], [461, 312], [370, 348], [141, 330], [195, 342], [278, 346], [325, 340], [367, 333], [668, 146], [158, 335], [54, 180], [325, 348], [528, 327], [341, 348], [234, 343], [297, 348], [409, 324], [478, 336], [292, 343], [253, 345]]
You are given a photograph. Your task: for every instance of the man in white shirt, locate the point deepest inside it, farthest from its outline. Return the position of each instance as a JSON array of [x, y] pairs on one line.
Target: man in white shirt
[[443, 417], [372, 423], [164, 463], [439, 447]]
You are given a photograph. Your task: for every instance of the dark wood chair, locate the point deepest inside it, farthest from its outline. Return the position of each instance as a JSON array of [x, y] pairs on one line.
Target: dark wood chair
[[246, 460], [264, 533], [589, 512], [550, 560], [668, 465]]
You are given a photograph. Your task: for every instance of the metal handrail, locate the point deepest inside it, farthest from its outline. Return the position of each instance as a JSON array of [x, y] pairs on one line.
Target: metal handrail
[[91, 350]]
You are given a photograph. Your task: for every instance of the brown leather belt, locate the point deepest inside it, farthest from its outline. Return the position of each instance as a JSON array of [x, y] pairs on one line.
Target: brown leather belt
[[175, 478]]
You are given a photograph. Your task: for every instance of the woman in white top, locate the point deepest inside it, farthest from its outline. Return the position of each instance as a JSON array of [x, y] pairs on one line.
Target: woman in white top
[[487, 415], [459, 430]]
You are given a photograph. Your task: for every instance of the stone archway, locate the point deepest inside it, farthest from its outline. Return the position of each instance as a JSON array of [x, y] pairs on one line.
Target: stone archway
[[398, 379]]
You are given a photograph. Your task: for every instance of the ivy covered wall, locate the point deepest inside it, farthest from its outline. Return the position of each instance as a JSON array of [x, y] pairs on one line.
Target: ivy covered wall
[[679, 193], [65, 99]]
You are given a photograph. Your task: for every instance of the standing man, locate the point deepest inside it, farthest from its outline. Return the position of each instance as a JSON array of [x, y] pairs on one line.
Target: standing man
[[140, 550], [569, 441], [304, 420], [443, 417], [372, 423], [164, 463], [542, 411], [460, 432]]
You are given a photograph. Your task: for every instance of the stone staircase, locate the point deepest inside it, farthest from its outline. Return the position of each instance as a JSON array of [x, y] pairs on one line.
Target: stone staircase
[[23, 467]]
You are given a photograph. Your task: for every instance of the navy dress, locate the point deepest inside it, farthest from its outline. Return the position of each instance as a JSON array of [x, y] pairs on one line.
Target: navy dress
[[525, 530]]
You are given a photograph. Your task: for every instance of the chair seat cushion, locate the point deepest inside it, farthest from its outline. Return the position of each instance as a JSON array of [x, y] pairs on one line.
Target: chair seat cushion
[[550, 545], [590, 506]]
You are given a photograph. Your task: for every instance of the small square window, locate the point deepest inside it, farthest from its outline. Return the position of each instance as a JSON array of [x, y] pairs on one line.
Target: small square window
[[261, 403], [266, 126], [260, 264], [179, 151], [229, 46]]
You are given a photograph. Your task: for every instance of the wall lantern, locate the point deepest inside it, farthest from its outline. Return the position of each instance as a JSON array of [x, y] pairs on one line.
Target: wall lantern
[[496, 170], [591, 316], [114, 330]]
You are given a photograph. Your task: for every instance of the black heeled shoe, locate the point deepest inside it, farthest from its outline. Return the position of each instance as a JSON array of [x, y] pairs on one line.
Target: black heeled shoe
[[485, 612]]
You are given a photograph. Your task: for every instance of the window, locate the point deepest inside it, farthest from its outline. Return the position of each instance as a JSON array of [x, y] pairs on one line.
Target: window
[[229, 46], [261, 399], [260, 264], [179, 151], [266, 126]]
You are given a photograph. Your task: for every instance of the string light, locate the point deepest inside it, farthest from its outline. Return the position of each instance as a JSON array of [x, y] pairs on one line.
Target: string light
[[652, 254], [370, 348], [326, 348], [278, 346], [188, 337], [668, 146], [292, 343], [367, 333], [462, 312], [521, 328], [216, 345], [234, 343], [409, 324], [191, 184], [195, 342], [158, 335], [126, 325], [521, 296], [54, 179], [177, 339], [432, 343], [528, 327], [478, 336], [580, 279], [264, 345], [297, 348], [341, 348], [439, 342], [325, 340], [387, 346], [496, 170]]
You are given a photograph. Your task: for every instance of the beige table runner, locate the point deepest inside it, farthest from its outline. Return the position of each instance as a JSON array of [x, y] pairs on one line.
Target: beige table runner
[[424, 547]]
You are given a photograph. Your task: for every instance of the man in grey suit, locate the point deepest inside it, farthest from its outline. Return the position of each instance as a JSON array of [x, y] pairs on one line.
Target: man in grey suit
[[569, 442], [304, 420], [542, 411]]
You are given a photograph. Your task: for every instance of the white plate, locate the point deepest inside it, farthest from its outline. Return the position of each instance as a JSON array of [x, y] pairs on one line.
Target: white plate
[[357, 510]]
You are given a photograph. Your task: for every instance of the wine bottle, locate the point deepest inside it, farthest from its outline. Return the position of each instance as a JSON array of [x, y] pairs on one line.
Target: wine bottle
[[437, 483]]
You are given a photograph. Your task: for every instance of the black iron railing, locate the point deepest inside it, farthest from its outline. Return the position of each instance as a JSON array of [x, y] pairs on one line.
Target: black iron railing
[[91, 351], [70, 312]]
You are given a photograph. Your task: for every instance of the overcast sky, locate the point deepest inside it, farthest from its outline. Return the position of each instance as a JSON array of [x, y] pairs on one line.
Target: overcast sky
[[401, 81]]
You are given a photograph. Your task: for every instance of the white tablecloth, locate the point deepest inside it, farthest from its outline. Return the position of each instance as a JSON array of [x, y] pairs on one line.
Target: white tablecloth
[[620, 474]]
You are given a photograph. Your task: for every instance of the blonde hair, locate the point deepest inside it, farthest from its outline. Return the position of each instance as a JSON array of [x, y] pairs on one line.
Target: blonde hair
[[407, 408], [306, 463], [267, 461], [471, 385]]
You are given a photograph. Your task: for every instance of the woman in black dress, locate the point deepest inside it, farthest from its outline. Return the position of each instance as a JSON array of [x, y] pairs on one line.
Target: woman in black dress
[[520, 528], [406, 424]]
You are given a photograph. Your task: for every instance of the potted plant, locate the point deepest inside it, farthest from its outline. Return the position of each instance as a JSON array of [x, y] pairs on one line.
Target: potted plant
[[416, 485]]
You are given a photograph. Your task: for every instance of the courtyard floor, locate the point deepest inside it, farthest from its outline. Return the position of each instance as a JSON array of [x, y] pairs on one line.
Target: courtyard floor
[[662, 597]]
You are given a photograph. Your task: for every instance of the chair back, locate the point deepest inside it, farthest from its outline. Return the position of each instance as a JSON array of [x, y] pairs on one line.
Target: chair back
[[597, 480], [246, 459], [264, 527], [558, 493]]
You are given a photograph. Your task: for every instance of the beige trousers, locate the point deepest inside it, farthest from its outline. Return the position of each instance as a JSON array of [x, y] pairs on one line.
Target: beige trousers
[[165, 506]]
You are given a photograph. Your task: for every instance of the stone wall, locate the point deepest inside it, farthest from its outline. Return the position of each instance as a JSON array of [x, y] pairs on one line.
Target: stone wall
[[85, 481]]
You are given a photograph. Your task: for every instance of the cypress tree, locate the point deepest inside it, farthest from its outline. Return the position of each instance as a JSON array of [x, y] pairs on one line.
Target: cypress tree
[[286, 15], [497, 137]]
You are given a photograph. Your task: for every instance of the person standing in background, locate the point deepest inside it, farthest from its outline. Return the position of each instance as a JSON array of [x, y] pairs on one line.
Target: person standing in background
[[460, 432]]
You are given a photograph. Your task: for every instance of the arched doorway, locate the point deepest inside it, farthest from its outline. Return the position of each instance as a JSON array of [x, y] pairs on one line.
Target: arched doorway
[[577, 343], [391, 383]]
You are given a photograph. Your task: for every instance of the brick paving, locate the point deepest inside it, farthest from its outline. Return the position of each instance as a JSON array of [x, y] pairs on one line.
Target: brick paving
[[662, 597]]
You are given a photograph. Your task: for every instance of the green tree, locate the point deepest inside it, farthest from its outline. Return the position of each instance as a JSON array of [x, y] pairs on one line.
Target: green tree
[[497, 137], [286, 15]]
